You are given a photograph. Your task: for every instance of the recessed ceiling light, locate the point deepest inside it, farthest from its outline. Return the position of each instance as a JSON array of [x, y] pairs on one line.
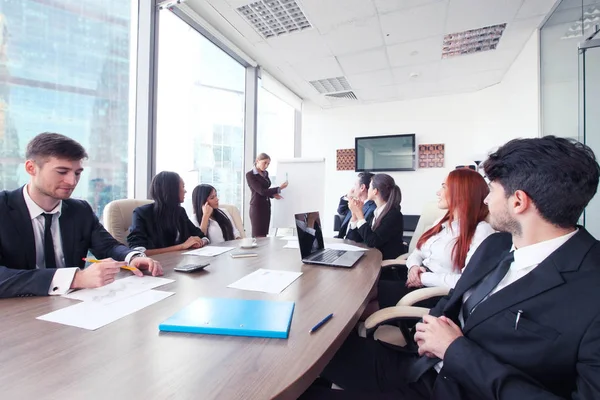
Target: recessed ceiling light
[[275, 17], [414, 75], [472, 41]]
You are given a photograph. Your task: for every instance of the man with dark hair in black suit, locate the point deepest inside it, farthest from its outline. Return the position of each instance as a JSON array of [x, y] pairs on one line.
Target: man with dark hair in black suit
[[523, 321], [45, 235], [358, 191]]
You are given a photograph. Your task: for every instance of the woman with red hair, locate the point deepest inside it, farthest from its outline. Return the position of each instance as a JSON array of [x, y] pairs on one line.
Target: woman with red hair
[[444, 250]]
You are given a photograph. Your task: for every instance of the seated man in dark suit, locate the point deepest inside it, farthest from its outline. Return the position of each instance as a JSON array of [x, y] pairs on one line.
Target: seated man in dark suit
[[44, 233], [359, 191], [523, 321]]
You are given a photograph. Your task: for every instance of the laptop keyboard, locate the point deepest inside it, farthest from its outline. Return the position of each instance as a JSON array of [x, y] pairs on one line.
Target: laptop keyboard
[[328, 256]]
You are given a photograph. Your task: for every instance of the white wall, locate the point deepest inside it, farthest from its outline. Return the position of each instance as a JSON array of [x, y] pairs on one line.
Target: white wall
[[470, 125]]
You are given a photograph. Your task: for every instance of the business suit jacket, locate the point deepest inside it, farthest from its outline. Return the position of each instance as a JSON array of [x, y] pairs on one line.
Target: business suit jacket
[[80, 231], [146, 231], [555, 350], [387, 238], [261, 193], [368, 210]]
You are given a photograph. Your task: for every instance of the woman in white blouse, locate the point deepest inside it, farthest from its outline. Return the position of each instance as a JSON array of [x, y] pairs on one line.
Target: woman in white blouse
[[445, 249], [215, 222]]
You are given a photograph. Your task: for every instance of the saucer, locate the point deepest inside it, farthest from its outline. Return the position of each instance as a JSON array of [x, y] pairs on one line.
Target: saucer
[[249, 247]]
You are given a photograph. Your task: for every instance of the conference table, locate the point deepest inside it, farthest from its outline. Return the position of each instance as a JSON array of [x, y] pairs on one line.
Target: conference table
[[131, 359]]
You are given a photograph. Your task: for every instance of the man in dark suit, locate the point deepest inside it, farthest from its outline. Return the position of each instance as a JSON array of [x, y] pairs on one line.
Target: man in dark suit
[[44, 233], [523, 321], [359, 191]]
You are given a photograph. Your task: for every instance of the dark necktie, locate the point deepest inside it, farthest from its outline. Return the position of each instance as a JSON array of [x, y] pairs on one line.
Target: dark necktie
[[487, 284], [49, 256]]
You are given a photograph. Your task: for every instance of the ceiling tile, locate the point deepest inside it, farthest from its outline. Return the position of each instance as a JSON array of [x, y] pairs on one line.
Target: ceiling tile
[[474, 81], [327, 14], [319, 69], [299, 47], [472, 63], [355, 36], [371, 60], [386, 6], [425, 73], [418, 89], [383, 77], [533, 8], [377, 93], [472, 14], [427, 50], [518, 32], [414, 23]]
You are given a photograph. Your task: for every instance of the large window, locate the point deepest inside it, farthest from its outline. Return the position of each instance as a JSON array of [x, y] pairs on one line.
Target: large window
[[200, 116], [65, 67], [275, 130]]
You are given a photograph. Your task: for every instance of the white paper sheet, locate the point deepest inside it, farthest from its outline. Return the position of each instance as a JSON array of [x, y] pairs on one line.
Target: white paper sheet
[[266, 280], [343, 246], [292, 238], [119, 289], [333, 246], [209, 251], [92, 315]]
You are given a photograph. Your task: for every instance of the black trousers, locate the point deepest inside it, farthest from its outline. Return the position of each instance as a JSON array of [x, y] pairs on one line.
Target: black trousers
[[368, 369]]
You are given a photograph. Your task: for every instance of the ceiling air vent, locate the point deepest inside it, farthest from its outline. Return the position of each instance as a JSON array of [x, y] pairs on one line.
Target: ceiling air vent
[[472, 41], [331, 85], [349, 95], [272, 18]]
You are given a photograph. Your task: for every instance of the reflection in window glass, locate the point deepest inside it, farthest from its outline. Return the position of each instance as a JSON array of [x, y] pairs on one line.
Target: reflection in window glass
[[200, 116], [65, 67], [560, 65], [275, 130]]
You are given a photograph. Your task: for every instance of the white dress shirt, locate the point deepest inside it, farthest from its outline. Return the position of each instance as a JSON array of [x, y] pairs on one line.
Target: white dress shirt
[[215, 233], [436, 254], [526, 259], [63, 277], [61, 283], [361, 222]]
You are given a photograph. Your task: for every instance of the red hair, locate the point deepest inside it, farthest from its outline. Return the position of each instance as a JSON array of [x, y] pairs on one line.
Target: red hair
[[465, 192]]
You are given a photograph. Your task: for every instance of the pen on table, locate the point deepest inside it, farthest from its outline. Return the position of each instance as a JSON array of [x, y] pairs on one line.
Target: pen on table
[[321, 323], [93, 260], [518, 318]]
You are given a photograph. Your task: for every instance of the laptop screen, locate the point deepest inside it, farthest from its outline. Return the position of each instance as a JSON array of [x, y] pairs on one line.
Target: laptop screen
[[310, 236]]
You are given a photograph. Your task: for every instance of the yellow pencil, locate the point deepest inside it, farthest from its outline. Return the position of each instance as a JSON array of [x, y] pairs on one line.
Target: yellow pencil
[[93, 260]]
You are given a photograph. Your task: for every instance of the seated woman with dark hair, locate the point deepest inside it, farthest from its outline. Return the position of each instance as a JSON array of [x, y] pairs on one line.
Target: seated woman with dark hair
[[385, 228], [215, 221], [445, 249], [164, 226]]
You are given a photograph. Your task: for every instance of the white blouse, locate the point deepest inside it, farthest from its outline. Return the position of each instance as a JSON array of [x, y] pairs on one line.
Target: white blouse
[[436, 254], [215, 234]]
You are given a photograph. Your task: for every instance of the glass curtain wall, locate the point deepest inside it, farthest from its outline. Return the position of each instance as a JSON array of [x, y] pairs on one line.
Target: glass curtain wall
[[65, 67], [275, 129], [200, 111]]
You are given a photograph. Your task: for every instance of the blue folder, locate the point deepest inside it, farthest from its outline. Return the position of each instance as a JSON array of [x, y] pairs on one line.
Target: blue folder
[[237, 317]]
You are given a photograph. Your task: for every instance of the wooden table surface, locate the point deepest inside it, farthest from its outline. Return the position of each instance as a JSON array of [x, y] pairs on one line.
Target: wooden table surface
[[131, 359]]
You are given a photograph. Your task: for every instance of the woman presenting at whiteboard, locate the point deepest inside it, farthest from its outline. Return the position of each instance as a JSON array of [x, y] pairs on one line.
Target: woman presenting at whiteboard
[[260, 200]]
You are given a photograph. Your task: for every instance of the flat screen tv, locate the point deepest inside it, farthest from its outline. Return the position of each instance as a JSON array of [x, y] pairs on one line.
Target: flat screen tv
[[385, 153]]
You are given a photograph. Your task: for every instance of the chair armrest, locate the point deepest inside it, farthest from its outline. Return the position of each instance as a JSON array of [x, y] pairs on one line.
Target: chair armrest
[[392, 314], [400, 260], [423, 294]]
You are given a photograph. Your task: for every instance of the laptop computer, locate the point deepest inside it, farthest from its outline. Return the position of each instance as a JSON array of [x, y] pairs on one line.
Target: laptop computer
[[312, 248]]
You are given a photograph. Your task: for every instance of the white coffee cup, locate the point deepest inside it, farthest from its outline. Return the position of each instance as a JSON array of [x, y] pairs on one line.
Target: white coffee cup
[[248, 242]]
